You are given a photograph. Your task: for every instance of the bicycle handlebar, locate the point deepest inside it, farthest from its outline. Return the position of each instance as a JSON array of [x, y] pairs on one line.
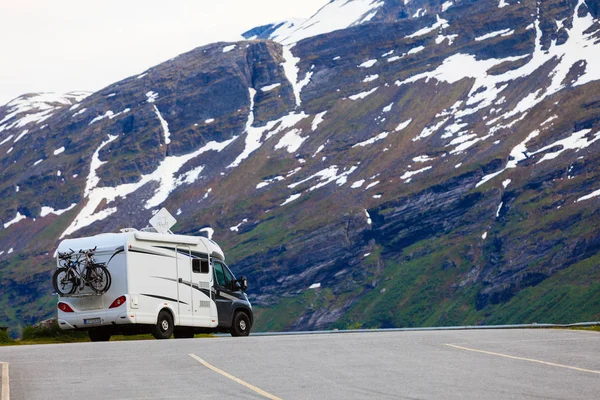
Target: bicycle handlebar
[[67, 254]]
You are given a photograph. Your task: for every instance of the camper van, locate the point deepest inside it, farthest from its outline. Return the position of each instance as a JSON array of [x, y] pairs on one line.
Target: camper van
[[161, 283]]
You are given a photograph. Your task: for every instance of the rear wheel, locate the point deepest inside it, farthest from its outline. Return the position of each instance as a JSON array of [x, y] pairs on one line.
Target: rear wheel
[[64, 281], [164, 326], [98, 278], [99, 335], [241, 324]]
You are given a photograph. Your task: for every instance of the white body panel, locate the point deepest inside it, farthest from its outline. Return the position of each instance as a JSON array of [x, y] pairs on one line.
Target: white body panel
[[153, 271]]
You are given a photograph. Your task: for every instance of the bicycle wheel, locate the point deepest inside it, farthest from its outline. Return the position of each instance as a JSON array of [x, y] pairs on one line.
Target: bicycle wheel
[[64, 281], [98, 278]]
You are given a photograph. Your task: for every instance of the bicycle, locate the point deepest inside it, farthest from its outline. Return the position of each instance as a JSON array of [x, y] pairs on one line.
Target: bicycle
[[71, 275]]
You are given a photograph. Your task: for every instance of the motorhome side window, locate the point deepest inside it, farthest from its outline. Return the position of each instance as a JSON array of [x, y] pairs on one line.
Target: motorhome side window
[[200, 266]]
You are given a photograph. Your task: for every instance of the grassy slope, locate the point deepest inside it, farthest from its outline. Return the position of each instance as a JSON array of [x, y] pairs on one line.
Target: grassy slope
[[421, 286]]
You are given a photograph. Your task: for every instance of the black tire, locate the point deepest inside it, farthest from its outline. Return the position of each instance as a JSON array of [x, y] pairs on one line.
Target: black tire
[[64, 281], [98, 278], [164, 326], [183, 333], [241, 324], [99, 335]]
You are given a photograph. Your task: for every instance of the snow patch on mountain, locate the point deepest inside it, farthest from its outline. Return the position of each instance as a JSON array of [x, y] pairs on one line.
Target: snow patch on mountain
[[254, 135], [327, 176], [335, 15], [108, 114], [164, 175], [269, 181], [290, 199], [595, 193], [36, 108], [237, 227], [517, 154], [79, 112], [290, 67], [374, 139], [503, 32], [403, 125], [49, 210], [291, 141], [446, 5], [164, 125], [151, 96], [92, 178], [362, 95], [15, 220], [439, 25], [368, 63], [577, 141], [317, 121], [268, 88], [409, 174], [430, 130]]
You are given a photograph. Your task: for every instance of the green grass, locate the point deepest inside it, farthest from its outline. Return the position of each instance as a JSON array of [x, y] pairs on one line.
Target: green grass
[[595, 328], [54, 334], [569, 296]]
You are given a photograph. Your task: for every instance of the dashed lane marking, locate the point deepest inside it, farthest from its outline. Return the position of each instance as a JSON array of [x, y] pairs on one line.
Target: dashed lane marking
[[5, 383], [233, 378], [524, 359]]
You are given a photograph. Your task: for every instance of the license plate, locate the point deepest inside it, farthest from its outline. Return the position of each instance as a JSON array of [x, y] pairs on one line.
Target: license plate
[[91, 321]]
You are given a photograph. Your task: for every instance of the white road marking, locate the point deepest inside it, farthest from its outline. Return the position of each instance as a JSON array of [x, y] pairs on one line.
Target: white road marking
[[233, 378], [524, 359], [5, 383], [536, 340]]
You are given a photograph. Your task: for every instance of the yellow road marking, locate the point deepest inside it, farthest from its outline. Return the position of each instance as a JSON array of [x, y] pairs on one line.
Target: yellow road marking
[[524, 359], [233, 378], [5, 384]]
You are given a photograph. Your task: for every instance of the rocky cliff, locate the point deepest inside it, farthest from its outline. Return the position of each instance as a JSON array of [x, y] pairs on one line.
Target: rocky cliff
[[417, 163]]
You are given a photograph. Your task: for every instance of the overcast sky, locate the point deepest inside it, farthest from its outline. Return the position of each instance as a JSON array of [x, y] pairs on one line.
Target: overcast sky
[[65, 45]]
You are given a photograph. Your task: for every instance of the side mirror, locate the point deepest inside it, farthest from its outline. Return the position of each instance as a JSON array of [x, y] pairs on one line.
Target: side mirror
[[243, 283]]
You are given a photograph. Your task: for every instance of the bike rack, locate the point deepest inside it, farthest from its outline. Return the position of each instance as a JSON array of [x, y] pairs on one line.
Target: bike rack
[[83, 294]]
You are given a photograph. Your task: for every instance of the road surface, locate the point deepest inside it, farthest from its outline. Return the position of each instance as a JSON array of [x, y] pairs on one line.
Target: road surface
[[471, 364]]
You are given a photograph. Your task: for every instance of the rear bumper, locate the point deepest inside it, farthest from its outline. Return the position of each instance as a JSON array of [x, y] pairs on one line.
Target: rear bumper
[[91, 319]]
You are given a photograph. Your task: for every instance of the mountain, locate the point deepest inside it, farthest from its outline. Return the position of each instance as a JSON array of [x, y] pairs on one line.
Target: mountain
[[422, 163]]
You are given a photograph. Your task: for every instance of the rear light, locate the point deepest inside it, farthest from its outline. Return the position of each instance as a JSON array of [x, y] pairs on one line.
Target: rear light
[[64, 307], [118, 302]]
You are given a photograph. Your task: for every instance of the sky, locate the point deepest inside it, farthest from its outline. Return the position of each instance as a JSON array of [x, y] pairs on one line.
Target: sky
[[67, 45]]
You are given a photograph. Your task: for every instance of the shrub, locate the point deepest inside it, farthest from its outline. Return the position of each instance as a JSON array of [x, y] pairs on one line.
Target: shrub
[[4, 337], [51, 331]]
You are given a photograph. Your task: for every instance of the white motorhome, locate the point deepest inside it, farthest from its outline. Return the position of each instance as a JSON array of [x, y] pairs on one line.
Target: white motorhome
[[162, 284]]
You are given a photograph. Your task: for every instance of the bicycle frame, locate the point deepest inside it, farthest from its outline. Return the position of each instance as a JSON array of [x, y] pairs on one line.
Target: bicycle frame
[[75, 265]]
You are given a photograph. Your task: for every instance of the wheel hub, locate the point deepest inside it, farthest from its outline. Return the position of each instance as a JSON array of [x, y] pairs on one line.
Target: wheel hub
[[243, 325], [165, 325]]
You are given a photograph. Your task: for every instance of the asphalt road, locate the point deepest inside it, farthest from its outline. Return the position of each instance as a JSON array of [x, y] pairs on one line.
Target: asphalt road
[[473, 364]]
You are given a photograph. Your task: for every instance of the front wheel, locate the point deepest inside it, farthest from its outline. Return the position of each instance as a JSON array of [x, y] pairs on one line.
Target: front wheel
[[164, 326], [64, 281], [241, 324]]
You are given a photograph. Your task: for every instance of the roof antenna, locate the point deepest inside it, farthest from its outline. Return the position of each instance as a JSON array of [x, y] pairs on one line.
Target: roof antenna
[[163, 221]]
